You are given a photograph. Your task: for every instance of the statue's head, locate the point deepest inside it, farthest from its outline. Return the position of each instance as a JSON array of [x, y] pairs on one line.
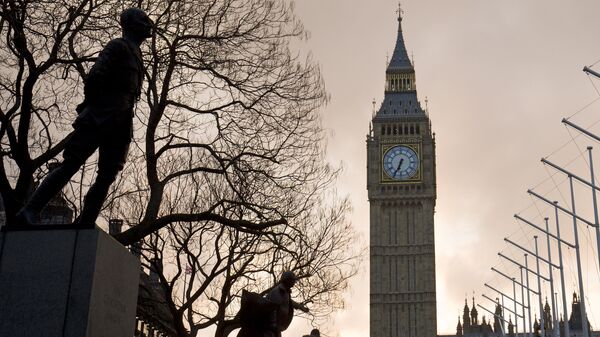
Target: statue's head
[[288, 279], [135, 22]]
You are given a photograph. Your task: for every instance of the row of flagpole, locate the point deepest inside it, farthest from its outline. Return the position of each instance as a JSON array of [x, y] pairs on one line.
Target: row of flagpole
[[523, 283]]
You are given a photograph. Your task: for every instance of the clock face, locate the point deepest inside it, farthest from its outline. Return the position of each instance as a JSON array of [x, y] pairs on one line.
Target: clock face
[[400, 162]]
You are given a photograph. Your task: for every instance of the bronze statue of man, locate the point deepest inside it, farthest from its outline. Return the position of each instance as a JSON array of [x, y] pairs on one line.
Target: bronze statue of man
[[105, 121], [281, 296], [270, 315]]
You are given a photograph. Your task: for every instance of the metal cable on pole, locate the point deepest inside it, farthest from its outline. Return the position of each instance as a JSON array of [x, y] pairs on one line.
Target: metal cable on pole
[[584, 322], [562, 272], [554, 320], [595, 203], [537, 259], [515, 306], [528, 296], [523, 301]]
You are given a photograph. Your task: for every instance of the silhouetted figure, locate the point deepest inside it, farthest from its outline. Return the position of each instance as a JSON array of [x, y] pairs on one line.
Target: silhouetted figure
[[270, 315], [255, 315], [281, 295], [105, 121]]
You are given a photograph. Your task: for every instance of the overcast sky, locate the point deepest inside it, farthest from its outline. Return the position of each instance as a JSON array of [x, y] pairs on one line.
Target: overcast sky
[[499, 76]]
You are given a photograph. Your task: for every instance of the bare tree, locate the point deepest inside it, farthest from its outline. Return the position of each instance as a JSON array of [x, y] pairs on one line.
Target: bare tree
[[226, 98], [41, 66], [226, 173], [203, 269]]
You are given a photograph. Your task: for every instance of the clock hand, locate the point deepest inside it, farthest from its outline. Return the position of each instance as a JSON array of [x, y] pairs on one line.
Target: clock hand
[[399, 166]]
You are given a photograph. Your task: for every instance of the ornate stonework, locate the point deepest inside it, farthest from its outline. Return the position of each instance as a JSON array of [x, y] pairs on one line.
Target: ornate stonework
[[402, 193]]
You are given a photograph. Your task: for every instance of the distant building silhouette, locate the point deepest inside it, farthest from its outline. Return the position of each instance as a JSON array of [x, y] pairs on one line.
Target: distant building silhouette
[[153, 317], [57, 211], [470, 326], [548, 326], [575, 323]]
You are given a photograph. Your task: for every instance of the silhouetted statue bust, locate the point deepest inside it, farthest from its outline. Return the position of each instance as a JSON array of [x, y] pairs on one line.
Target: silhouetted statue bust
[[314, 333], [104, 123], [270, 315]]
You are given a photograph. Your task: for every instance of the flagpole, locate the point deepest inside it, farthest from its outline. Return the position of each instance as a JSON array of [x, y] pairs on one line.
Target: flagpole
[[578, 256]]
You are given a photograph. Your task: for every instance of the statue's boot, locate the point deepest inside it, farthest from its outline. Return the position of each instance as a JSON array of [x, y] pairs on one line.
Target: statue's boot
[[51, 185], [94, 200]]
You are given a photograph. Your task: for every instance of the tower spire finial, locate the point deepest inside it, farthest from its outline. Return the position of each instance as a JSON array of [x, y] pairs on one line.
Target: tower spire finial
[[399, 11]]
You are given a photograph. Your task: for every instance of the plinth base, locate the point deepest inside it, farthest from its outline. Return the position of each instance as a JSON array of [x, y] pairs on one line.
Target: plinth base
[[66, 283]]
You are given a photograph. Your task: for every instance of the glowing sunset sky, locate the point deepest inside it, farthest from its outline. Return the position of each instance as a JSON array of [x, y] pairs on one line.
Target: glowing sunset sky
[[499, 77]]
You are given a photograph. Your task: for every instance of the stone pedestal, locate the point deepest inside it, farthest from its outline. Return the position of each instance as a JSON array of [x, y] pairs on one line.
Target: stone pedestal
[[66, 282]]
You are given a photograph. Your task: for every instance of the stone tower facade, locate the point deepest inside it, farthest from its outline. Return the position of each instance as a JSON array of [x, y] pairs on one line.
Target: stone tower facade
[[401, 186]]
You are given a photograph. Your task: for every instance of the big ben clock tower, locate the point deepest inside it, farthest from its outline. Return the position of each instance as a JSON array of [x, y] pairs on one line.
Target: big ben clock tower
[[402, 193]]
